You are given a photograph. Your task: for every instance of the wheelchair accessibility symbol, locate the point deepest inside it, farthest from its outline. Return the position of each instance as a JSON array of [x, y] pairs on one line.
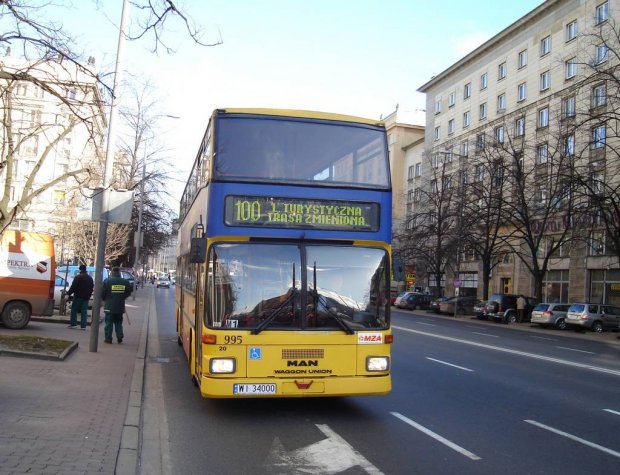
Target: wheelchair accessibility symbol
[[256, 353]]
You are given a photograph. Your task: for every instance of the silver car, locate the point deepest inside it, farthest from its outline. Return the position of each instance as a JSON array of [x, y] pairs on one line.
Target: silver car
[[550, 314], [596, 317]]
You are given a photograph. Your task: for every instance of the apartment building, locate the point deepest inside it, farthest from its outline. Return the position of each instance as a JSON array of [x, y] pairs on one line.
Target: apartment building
[[54, 117], [526, 85]]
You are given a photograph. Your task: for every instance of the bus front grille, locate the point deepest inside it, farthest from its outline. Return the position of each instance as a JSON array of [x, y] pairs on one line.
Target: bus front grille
[[300, 354]]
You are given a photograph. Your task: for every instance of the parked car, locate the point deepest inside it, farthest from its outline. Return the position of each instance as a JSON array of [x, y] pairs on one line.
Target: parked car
[[550, 314], [71, 271], [434, 305], [400, 296], [503, 308], [595, 317], [479, 309], [163, 282], [464, 305], [59, 287], [414, 301]]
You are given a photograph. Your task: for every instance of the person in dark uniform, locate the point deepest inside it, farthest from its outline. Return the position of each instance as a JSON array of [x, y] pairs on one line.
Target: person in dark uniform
[[115, 291], [82, 286]]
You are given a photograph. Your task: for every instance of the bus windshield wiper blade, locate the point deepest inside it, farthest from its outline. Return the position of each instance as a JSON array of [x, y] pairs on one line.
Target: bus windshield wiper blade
[[262, 325], [334, 313]]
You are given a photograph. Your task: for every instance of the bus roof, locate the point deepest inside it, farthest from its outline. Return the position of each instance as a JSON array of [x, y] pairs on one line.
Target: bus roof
[[301, 114]]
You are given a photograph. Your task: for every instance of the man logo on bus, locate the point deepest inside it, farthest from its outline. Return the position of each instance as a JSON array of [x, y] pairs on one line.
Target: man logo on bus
[[302, 363], [41, 267]]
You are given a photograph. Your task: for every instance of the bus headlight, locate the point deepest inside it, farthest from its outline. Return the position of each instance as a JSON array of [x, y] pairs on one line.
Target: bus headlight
[[222, 365], [377, 363]]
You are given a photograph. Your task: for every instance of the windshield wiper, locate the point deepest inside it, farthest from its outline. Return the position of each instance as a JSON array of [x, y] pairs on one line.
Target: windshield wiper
[[333, 311], [271, 317]]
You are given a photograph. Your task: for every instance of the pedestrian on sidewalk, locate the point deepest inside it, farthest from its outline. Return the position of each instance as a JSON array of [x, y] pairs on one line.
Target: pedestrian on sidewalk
[[115, 291], [521, 302], [82, 288]]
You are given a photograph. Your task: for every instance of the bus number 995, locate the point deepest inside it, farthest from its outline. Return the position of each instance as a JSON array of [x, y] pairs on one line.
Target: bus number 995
[[233, 340], [248, 210]]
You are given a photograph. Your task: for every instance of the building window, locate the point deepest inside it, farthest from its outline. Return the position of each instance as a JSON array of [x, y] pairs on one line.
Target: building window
[[601, 53], [520, 127], [418, 169], [543, 117], [597, 243], [501, 102], [597, 183], [571, 30], [499, 134], [501, 71], [542, 154], [479, 173], [438, 107], [434, 188], [437, 133], [463, 177], [484, 81], [569, 107], [451, 99], [522, 91], [410, 172], [480, 142], [602, 12], [522, 61], [434, 161], [483, 111], [467, 91], [59, 197], [545, 80], [545, 45], [569, 146], [570, 67], [599, 95], [598, 136], [466, 119], [464, 148], [451, 127]]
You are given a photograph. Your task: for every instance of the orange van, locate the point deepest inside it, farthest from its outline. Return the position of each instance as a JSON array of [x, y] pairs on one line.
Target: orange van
[[27, 273]]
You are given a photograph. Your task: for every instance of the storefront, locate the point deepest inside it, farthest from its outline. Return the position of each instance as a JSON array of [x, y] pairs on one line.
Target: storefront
[[555, 286], [605, 286]]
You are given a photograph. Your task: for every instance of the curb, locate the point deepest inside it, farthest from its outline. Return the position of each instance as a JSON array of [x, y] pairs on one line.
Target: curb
[[127, 458], [38, 356]]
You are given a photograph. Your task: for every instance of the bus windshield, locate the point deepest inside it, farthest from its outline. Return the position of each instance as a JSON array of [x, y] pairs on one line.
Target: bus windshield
[[277, 149], [262, 286]]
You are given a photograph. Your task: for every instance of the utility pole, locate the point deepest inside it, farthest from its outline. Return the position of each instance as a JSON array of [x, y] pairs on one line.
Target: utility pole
[[139, 231], [107, 178]]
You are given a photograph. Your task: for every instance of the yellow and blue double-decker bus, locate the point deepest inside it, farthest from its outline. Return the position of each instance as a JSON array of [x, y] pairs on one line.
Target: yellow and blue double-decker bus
[[283, 272]]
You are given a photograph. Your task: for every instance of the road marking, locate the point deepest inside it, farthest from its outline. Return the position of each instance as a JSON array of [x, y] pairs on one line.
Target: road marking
[[575, 438], [427, 324], [328, 456], [573, 349], [612, 411], [486, 334], [437, 437], [449, 364], [542, 338], [513, 352]]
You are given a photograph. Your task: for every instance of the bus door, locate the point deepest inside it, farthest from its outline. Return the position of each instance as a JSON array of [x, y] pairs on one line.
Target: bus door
[[199, 311]]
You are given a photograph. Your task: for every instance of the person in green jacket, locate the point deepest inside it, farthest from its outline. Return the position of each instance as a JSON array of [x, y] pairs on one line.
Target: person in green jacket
[[115, 291]]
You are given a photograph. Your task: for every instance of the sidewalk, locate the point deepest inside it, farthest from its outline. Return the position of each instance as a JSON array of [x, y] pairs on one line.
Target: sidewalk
[[80, 415]]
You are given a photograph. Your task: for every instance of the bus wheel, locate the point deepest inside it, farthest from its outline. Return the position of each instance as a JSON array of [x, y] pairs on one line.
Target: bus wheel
[[16, 315]]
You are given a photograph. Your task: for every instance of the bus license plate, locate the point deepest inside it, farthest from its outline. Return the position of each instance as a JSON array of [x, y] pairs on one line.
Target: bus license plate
[[251, 389]]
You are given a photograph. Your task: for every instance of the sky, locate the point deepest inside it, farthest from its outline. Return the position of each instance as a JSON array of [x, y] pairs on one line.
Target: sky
[[356, 57]]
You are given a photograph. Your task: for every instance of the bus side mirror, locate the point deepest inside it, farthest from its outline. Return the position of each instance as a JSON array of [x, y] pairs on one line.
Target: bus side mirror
[[198, 251]]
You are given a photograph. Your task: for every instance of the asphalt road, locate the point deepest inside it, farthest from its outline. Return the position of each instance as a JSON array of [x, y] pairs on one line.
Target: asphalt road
[[467, 398]]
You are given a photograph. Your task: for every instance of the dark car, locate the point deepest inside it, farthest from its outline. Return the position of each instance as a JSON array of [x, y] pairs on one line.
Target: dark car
[[464, 305], [414, 301], [503, 308], [434, 305]]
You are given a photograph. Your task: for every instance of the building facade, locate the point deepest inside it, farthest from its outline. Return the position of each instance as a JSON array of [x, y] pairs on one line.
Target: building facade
[[531, 95]]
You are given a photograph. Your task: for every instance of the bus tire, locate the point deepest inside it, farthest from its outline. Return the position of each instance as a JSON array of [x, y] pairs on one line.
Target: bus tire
[[16, 315]]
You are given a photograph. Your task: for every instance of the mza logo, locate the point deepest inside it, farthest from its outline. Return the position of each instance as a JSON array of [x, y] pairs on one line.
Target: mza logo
[[369, 338], [302, 363]]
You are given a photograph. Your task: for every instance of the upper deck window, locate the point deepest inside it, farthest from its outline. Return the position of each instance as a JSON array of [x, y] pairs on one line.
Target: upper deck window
[[290, 150]]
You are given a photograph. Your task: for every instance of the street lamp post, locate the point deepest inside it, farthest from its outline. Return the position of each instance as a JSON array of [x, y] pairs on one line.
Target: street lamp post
[[139, 231]]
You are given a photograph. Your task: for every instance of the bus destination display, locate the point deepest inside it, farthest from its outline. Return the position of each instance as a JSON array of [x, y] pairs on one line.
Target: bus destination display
[[281, 212]]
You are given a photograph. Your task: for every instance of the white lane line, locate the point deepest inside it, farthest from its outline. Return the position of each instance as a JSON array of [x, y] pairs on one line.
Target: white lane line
[[427, 324], [573, 349], [486, 334], [513, 352], [449, 364], [437, 437], [575, 438], [612, 411], [542, 338]]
